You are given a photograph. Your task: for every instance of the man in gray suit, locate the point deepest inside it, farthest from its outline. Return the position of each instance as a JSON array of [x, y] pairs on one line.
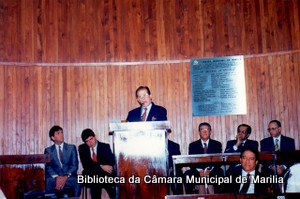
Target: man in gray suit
[[61, 171]]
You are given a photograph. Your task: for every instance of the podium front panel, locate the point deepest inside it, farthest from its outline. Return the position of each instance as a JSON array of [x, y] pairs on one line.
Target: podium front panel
[[141, 155]]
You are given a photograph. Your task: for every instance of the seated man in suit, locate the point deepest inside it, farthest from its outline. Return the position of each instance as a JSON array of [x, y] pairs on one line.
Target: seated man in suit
[[61, 171], [205, 145], [148, 111], [97, 160], [247, 170], [277, 142], [241, 141]]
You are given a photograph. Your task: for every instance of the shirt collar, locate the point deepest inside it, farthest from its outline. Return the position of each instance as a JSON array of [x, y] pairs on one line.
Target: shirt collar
[[279, 139], [244, 173], [95, 148], [207, 142], [61, 146], [148, 107]]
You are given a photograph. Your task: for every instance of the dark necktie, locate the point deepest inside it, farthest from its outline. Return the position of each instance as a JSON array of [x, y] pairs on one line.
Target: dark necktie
[[94, 156], [205, 148], [60, 154], [246, 186], [143, 117], [276, 146]]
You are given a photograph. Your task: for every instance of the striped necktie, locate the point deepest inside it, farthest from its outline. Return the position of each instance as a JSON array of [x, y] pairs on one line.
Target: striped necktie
[[276, 146], [143, 117], [60, 154]]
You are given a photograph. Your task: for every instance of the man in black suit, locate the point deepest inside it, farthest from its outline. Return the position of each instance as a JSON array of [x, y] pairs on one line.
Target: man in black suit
[[205, 145], [277, 142], [61, 171], [249, 158], [148, 111], [241, 141], [97, 160]]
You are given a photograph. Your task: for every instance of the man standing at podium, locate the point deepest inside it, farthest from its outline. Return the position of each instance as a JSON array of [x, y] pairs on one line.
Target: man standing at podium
[[148, 111]]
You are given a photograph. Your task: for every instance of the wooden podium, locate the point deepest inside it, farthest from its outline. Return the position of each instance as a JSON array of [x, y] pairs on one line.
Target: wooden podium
[[141, 153]]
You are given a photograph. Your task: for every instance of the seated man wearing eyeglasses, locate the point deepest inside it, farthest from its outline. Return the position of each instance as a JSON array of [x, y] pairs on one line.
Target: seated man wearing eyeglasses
[[241, 141], [148, 111], [277, 142]]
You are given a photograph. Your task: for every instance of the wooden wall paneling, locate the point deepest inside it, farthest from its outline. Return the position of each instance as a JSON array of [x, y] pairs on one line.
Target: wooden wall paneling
[[210, 33], [294, 18], [64, 31], [283, 85], [220, 24], [41, 122], [262, 90], [288, 96], [251, 66], [114, 91], [26, 30], [186, 114], [160, 30], [50, 31], [196, 34], [11, 119], [70, 100], [170, 29], [2, 113], [76, 31], [249, 38]]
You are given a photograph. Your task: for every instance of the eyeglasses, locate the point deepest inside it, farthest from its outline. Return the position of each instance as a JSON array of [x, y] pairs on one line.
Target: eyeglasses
[[143, 96], [204, 130], [242, 132], [273, 129]]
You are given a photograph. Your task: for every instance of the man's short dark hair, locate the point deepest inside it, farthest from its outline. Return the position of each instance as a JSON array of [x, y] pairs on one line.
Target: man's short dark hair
[[249, 129], [276, 121], [204, 124], [86, 133], [54, 129], [142, 88], [253, 150]]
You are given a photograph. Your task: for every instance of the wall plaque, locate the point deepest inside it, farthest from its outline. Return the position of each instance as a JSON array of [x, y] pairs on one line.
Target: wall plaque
[[218, 86]]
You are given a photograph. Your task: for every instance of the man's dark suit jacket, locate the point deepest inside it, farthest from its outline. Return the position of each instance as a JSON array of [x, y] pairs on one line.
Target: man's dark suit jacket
[[104, 156], [69, 164], [196, 147], [234, 187], [248, 143], [157, 113], [286, 144]]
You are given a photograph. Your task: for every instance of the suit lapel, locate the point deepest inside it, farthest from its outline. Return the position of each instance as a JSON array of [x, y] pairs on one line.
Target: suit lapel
[[55, 155], [66, 153], [151, 116]]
